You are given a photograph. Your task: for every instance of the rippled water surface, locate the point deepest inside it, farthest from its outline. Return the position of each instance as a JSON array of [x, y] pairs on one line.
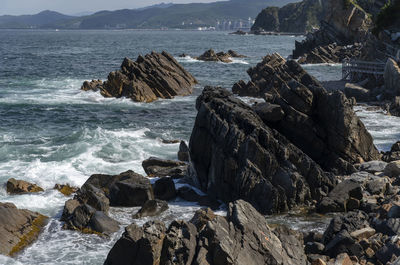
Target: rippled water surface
[[51, 132]]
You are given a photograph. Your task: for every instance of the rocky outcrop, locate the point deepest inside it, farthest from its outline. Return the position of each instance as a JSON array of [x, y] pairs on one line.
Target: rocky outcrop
[[331, 53], [237, 156], [331, 133], [242, 237], [212, 56], [343, 22], [294, 18], [392, 78], [156, 75], [87, 211], [20, 186], [18, 228]]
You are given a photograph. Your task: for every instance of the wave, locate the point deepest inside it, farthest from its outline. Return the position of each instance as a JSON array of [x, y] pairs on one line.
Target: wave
[[189, 59]]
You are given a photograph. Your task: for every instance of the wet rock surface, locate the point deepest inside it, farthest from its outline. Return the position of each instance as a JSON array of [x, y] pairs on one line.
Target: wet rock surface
[[156, 167], [242, 237], [15, 186], [150, 77], [87, 211], [18, 228], [331, 133]]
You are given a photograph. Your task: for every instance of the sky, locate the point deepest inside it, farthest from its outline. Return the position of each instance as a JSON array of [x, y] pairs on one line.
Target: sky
[[71, 7]]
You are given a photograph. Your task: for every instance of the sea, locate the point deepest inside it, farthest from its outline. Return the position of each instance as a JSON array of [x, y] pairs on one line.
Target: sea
[[51, 132]]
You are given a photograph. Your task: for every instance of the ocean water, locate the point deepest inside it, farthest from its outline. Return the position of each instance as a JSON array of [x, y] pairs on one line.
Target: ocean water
[[53, 133]]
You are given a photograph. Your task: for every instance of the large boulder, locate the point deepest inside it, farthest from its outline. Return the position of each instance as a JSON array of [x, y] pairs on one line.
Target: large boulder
[[242, 237], [237, 156], [156, 75], [127, 189], [15, 186], [87, 211], [138, 245], [331, 133], [18, 228]]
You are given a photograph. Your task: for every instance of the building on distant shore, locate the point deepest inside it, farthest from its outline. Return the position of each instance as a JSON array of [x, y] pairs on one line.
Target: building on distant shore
[[234, 25]]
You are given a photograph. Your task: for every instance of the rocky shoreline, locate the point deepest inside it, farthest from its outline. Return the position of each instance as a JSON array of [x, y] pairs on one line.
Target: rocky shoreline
[[299, 147]]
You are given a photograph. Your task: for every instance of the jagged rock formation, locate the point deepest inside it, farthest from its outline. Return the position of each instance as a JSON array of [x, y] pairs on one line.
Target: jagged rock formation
[[242, 237], [18, 228], [87, 211], [343, 22], [330, 133], [331, 53], [295, 18], [156, 75], [237, 156]]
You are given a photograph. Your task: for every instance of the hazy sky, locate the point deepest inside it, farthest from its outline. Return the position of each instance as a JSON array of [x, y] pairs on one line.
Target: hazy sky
[[18, 7]]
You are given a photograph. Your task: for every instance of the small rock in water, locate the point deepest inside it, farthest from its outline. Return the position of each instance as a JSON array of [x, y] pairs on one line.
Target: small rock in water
[[20, 186], [151, 208], [67, 190]]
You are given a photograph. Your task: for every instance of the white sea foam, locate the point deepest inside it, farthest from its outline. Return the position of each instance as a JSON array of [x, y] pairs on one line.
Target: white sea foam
[[384, 129]]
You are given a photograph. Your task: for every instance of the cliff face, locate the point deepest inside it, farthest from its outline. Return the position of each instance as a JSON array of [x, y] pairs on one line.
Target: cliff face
[[348, 19], [295, 17]]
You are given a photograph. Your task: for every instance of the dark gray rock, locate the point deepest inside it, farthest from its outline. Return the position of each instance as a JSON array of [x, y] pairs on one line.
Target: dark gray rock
[[156, 167], [337, 238], [339, 198], [151, 208], [87, 212], [138, 245], [389, 226], [373, 166], [164, 189], [183, 153], [237, 156], [331, 133], [243, 237], [104, 224], [269, 112], [180, 243], [131, 190], [191, 195]]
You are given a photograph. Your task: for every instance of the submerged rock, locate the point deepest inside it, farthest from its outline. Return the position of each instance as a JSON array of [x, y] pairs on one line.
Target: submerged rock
[[331, 133], [15, 186], [237, 156], [18, 228], [156, 75], [242, 237]]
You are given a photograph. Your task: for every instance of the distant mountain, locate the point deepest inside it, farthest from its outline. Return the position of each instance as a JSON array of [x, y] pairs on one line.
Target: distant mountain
[[162, 5], [165, 15], [42, 20]]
